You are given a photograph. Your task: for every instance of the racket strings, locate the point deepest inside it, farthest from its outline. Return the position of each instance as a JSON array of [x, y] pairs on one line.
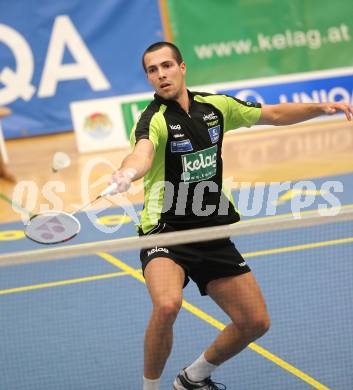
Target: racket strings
[[52, 227]]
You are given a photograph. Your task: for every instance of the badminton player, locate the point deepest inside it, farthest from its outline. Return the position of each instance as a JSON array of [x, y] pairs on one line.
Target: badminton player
[[178, 142]]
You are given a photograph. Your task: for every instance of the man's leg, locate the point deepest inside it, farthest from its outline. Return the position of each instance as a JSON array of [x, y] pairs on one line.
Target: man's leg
[[240, 297], [164, 280]]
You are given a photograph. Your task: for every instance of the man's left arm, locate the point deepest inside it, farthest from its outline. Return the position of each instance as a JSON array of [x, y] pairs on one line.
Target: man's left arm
[[290, 113]]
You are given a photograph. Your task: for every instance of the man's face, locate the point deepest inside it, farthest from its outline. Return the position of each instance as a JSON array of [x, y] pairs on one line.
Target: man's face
[[164, 73]]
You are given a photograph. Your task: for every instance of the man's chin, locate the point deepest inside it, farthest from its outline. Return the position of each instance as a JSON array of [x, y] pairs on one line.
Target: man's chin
[[167, 95]]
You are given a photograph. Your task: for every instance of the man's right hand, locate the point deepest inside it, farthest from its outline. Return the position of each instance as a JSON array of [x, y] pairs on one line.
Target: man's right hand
[[123, 179]]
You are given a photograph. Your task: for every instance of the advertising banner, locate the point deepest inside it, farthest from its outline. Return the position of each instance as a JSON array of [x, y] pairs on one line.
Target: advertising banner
[[97, 124], [57, 53], [102, 124], [236, 40], [53, 53], [309, 87], [313, 87]]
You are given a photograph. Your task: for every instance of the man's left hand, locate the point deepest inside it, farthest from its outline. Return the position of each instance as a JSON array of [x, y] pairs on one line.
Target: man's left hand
[[334, 108]]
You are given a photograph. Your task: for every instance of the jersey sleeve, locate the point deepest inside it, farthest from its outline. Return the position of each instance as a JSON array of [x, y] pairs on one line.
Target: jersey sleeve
[[238, 113], [146, 128]]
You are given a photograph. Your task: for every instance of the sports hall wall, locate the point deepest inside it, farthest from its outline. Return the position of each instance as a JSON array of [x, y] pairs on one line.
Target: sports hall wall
[[70, 59]]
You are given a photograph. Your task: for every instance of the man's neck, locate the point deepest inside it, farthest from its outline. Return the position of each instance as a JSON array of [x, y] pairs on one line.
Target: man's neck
[[184, 100]]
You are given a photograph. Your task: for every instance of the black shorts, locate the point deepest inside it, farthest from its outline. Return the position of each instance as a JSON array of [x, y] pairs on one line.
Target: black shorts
[[201, 261]]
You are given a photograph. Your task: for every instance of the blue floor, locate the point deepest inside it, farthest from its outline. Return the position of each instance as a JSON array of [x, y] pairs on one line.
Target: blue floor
[[89, 334]]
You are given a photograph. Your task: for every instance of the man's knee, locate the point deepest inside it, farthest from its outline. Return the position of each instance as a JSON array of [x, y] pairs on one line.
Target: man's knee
[[167, 309], [261, 325], [255, 326]]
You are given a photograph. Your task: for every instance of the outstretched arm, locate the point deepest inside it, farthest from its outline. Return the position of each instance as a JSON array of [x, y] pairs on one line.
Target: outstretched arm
[[290, 113], [134, 166]]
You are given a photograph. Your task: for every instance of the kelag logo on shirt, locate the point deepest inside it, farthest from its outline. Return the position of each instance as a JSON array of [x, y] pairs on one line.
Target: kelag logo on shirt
[[200, 165]]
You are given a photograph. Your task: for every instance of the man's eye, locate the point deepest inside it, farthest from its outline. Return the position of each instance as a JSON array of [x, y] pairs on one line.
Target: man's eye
[[151, 70]]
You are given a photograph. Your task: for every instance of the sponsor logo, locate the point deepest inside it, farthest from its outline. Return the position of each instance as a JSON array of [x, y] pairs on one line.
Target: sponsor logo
[[175, 127], [178, 135], [156, 250], [181, 146], [214, 133], [210, 116], [98, 125], [132, 111], [200, 165], [213, 123], [243, 264]]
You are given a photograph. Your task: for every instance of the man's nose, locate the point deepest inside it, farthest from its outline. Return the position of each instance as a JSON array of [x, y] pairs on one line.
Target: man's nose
[[161, 74]]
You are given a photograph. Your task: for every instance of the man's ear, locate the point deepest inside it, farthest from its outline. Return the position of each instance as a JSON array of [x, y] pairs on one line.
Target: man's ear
[[183, 67]]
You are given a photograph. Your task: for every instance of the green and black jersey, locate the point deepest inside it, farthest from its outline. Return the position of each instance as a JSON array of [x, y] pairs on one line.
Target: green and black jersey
[[184, 186]]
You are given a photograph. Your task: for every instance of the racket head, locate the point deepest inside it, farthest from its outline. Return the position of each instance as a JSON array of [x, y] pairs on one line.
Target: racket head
[[52, 227]]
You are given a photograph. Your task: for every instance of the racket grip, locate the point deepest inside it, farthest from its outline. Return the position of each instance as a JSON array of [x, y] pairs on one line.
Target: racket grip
[[110, 190]]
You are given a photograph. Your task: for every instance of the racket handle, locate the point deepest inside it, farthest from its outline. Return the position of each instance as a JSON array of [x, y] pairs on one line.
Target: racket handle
[[110, 190]]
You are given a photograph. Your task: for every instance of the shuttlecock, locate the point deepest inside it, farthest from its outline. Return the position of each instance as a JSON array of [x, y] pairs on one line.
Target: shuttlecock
[[60, 161]]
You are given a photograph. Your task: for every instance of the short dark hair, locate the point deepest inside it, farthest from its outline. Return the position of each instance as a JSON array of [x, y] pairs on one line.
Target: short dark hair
[[158, 45]]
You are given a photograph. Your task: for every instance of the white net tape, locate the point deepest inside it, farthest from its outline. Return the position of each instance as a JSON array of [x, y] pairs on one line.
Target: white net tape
[[181, 237]]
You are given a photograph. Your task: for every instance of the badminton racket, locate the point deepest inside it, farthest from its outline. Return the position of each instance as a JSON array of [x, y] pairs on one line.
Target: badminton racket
[[54, 227]]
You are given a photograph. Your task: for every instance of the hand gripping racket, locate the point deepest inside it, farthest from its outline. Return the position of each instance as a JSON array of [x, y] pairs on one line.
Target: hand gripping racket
[[53, 227]]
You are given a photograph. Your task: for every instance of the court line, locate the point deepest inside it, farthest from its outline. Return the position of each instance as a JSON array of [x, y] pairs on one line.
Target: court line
[[61, 283], [285, 215], [220, 326], [293, 248]]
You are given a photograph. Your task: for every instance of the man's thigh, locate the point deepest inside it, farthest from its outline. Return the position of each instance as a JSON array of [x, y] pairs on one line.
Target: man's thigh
[[164, 279], [240, 297]]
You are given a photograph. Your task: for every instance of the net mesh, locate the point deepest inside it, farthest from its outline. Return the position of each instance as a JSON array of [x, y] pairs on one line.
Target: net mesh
[[74, 316], [310, 218]]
